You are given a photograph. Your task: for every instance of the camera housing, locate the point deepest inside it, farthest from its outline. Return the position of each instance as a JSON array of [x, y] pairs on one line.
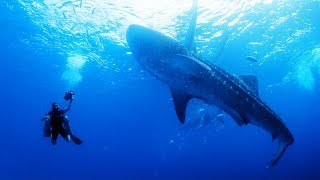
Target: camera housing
[[68, 95]]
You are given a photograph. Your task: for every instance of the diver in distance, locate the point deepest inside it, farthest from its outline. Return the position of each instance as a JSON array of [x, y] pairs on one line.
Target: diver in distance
[[57, 122]]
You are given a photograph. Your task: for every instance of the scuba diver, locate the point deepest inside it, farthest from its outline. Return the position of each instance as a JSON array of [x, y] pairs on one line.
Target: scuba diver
[[57, 122]]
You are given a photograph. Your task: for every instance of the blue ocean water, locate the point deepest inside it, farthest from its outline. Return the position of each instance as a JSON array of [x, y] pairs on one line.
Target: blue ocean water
[[126, 117]]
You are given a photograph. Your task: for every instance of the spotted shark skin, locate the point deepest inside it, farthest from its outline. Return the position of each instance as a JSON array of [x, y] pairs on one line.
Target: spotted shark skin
[[191, 77]]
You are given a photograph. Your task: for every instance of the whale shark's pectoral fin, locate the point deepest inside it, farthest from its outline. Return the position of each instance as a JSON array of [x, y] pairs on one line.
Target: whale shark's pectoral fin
[[252, 82], [180, 101]]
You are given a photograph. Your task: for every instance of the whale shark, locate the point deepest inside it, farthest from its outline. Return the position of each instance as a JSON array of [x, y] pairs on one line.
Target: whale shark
[[189, 76]]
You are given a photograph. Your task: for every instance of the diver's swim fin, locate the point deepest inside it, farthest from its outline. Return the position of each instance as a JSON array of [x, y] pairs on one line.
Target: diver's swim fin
[[76, 140]]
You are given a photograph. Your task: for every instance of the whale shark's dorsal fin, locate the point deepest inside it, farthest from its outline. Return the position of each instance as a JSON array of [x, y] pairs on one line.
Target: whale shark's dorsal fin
[[180, 101], [252, 82], [189, 39]]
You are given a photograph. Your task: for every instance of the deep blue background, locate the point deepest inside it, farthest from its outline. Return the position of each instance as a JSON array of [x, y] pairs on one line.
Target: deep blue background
[[127, 129]]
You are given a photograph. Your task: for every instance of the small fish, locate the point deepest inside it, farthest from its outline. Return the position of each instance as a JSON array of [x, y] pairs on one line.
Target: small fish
[[87, 32], [220, 118], [251, 58], [73, 27]]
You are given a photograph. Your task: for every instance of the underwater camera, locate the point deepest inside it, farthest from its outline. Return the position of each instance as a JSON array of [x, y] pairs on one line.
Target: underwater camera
[[68, 95]]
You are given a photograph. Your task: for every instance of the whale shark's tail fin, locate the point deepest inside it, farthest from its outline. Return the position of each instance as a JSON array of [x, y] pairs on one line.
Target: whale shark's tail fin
[[278, 154], [189, 39]]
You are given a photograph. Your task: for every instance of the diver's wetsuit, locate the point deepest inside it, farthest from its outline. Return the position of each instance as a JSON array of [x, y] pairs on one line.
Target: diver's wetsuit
[[59, 123]]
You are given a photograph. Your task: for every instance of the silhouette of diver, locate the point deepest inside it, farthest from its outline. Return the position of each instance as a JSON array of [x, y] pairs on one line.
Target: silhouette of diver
[[57, 122]]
